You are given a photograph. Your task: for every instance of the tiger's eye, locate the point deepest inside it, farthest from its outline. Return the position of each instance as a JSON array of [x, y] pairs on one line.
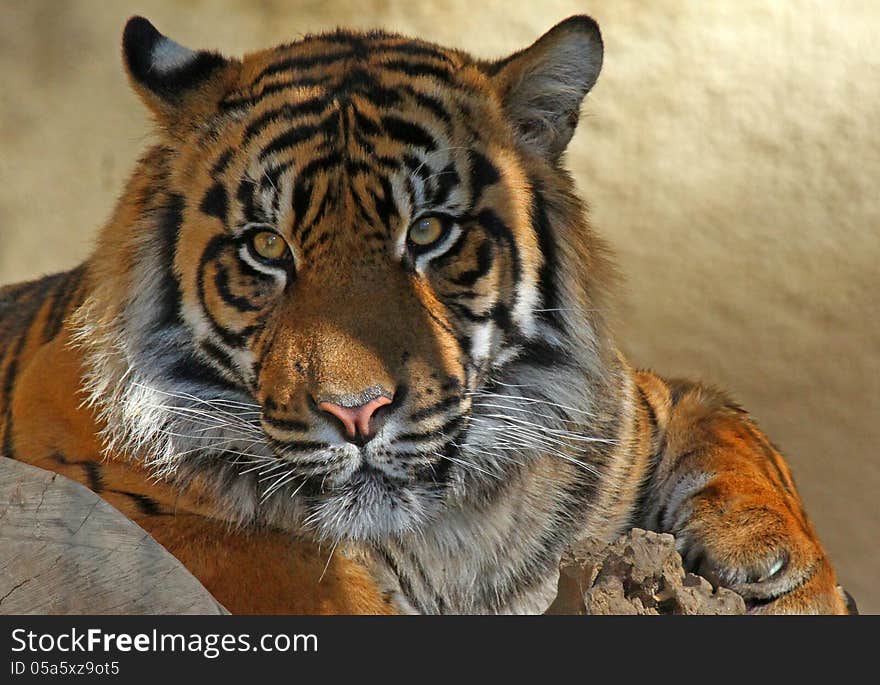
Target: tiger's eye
[[426, 231], [269, 245]]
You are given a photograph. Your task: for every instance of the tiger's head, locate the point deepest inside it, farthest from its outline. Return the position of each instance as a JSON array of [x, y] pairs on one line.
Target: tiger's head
[[351, 285]]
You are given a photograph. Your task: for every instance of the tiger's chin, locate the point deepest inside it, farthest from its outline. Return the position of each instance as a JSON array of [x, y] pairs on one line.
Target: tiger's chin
[[371, 506]]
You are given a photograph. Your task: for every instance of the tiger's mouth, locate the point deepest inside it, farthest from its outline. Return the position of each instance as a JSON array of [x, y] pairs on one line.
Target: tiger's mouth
[[339, 465], [369, 505], [365, 492]]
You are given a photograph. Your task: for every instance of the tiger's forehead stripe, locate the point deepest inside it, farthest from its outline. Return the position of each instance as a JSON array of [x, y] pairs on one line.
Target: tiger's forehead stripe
[[308, 152], [313, 52], [357, 66], [300, 118]]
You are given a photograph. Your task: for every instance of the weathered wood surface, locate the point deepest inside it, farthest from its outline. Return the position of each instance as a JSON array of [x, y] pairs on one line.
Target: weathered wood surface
[[64, 550]]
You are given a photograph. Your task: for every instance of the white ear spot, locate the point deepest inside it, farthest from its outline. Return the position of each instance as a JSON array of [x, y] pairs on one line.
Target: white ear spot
[[169, 55]]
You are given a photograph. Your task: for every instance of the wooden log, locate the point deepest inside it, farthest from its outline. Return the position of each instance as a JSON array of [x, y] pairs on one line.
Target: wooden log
[[64, 550]]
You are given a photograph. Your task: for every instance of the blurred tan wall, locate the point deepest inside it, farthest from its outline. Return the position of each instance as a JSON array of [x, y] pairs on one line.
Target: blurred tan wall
[[730, 152]]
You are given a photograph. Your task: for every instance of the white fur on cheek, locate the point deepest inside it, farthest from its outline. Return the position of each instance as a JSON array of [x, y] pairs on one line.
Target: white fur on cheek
[[481, 342]]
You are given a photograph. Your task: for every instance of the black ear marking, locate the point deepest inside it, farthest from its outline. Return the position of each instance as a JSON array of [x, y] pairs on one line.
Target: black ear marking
[[161, 66], [542, 87]]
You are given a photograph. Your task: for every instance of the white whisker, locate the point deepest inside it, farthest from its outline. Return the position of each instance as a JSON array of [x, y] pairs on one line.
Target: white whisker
[[327, 565]]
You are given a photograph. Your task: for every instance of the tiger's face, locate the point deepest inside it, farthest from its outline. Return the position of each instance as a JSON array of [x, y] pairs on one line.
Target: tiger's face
[[360, 246]]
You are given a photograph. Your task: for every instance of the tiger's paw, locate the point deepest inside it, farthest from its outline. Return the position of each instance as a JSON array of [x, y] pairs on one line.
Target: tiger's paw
[[763, 553]]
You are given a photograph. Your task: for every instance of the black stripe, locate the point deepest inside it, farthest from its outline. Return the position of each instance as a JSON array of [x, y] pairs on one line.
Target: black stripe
[[297, 445], [547, 244], [270, 179], [215, 203], [447, 430], [190, 367], [7, 447], [445, 181], [63, 295], [295, 136], [325, 163], [286, 424], [286, 112], [451, 383], [8, 388], [439, 602], [361, 82], [417, 167], [145, 504], [376, 162], [436, 319], [15, 293], [231, 338], [407, 132], [364, 123], [495, 227], [405, 584], [222, 162], [663, 511], [300, 64], [385, 207], [541, 353], [452, 254], [415, 49], [304, 230], [93, 475], [435, 409], [251, 100], [221, 282], [245, 196], [168, 289], [469, 314], [218, 356], [441, 474], [432, 104], [301, 200], [485, 259], [419, 69], [92, 471], [500, 314], [482, 175], [769, 454], [640, 510]]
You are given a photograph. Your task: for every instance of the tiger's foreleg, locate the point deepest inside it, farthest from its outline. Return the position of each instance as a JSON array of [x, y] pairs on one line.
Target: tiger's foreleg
[[727, 495]]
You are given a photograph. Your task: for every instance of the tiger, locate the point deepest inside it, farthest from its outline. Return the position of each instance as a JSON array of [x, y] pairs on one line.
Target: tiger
[[345, 345]]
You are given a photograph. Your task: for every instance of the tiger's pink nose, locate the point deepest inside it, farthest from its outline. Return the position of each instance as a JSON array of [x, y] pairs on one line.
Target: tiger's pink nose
[[358, 419]]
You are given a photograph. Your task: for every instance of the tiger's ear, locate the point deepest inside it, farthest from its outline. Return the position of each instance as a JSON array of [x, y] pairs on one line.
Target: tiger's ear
[[542, 87], [173, 81]]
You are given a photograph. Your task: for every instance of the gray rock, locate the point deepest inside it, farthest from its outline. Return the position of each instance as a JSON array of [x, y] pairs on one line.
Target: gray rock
[[640, 573]]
